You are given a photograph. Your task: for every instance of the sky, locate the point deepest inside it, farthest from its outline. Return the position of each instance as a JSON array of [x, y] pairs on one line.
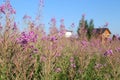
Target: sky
[[101, 11]]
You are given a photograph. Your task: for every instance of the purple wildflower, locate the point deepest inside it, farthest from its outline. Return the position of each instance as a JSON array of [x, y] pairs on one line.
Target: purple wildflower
[[73, 65], [58, 70], [42, 3], [35, 50], [62, 20], [117, 49], [10, 8], [72, 62], [26, 17], [83, 15], [72, 59], [44, 38], [2, 8], [13, 11], [15, 26], [57, 54], [84, 43], [35, 38], [108, 52], [53, 20], [24, 41], [25, 38], [1, 26], [72, 25], [94, 31], [98, 66], [43, 58], [106, 24], [53, 38], [31, 46], [7, 7]]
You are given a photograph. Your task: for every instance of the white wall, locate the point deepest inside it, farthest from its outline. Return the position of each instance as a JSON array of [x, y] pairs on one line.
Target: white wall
[[68, 34]]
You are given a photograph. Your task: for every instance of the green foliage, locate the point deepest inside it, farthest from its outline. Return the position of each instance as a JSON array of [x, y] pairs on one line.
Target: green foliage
[[90, 72], [90, 29], [83, 25], [38, 69]]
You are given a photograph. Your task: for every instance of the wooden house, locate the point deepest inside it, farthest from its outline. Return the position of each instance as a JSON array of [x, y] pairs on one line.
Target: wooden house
[[102, 33]]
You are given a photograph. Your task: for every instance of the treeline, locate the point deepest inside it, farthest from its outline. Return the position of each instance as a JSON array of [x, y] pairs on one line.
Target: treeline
[[85, 28]]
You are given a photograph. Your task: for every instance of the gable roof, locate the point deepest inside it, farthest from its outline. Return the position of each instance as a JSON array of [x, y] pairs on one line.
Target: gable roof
[[68, 30], [101, 30]]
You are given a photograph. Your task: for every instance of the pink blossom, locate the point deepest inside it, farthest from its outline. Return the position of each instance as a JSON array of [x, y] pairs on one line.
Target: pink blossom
[[2, 9], [53, 20], [14, 26], [72, 59], [83, 15], [53, 38], [35, 50], [72, 25], [73, 65], [43, 58], [62, 20], [26, 17], [98, 66], [26, 38], [1, 26], [106, 24], [13, 11], [58, 70], [84, 43], [7, 7], [42, 3], [117, 49], [44, 38], [108, 52], [57, 54]]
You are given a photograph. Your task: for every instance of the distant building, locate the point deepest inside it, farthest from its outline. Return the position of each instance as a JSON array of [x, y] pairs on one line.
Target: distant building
[[68, 33], [102, 33]]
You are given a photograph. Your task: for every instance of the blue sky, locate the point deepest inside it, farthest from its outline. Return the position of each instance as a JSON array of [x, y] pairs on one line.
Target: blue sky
[[101, 11]]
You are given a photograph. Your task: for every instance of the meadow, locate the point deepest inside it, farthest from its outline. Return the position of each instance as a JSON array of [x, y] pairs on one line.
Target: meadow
[[34, 55]]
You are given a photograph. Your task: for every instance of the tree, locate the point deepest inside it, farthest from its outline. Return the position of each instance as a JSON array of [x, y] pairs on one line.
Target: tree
[[90, 29], [82, 28], [86, 24], [85, 29]]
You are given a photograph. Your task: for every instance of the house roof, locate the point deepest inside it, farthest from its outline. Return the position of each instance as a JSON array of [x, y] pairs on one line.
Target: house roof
[[69, 31], [101, 30]]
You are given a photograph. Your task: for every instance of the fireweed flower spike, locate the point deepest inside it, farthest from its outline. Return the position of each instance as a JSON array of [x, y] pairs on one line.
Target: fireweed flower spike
[[26, 17], [72, 25], [83, 15], [108, 52], [57, 54], [7, 7], [58, 70], [25, 38], [73, 65], [53, 20], [72, 59], [117, 49], [99, 66], [53, 38], [1, 26], [43, 58], [72, 62], [14, 26], [2, 8]]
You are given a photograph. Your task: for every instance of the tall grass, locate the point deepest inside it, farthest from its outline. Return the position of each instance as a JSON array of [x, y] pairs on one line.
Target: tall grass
[[34, 55]]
